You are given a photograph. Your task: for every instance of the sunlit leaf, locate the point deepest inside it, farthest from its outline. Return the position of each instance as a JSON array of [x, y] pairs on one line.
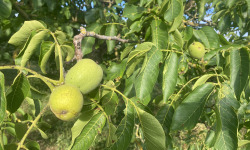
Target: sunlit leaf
[[111, 31], [173, 11], [133, 12], [89, 132], [20, 37], [2, 98], [47, 48], [159, 34], [178, 20], [110, 102], [170, 74], [203, 79]]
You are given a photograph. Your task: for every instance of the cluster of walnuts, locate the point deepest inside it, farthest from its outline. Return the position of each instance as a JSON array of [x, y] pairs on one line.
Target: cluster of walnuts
[[66, 100]]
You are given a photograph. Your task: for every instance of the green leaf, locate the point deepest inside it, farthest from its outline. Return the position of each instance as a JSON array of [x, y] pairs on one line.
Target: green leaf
[[110, 102], [126, 51], [170, 74], [152, 131], [201, 36], [111, 31], [140, 50], [188, 33], [134, 27], [212, 36], [47, 48], [203, 79], [133, 12], [159, 34], [20, 129], [178, 38], [178, 20], [230, 3], [32, 145], [201, 9], [17, 93], [116, 70], [125, 129], [226, 127], [60, 36], [131, 66], [228, 93], [146, 80], [34, 45], [88, 42], [69, 50], [173, 11], [111, 135], [79, 125], [239, 70], [189, 111], [5, 8], [219, 14], [2, 98], [164, 116], [20, 37], [89, 132]]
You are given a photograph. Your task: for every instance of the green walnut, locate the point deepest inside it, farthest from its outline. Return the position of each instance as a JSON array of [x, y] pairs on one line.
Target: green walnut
[[66, 102], [196, 50], [85, 74]]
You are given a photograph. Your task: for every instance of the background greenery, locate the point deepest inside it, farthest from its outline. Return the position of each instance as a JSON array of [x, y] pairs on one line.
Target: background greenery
[[161, 98]]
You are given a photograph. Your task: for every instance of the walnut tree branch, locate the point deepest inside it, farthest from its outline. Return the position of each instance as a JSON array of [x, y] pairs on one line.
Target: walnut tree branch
[[84, 33], [18, 9]]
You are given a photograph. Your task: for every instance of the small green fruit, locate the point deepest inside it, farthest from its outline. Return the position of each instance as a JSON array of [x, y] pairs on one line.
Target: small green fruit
[[85, 74], [66, 102], [196, 50]]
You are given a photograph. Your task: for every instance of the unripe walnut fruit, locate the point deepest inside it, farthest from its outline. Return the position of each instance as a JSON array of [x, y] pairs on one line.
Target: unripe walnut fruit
[[85, 74], [196, 50], [66, 102]]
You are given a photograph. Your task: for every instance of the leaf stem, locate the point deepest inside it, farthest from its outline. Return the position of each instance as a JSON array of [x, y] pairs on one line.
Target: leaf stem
[[20, 144]]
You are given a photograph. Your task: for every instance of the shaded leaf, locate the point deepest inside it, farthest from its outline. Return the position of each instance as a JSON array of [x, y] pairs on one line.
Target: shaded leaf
[[17, 93], [47, 48], [5, 8], [189, 111], [69, 50], [110, 102], [146, 80], [89, 132], [164, 116], [226, 127], [20, 129], [152, 131], [125, 129], [111, 135], [170, 74], [20, 37], [239, 70], [116, 70], [88, 42], [188, 33], [32, 145], [2, 98]]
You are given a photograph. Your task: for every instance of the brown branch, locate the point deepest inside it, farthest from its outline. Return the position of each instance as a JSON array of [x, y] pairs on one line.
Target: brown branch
[[21, 12], [84, 33]]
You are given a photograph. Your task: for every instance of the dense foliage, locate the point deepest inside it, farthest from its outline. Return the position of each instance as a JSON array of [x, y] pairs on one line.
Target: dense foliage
[[153, 94]]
